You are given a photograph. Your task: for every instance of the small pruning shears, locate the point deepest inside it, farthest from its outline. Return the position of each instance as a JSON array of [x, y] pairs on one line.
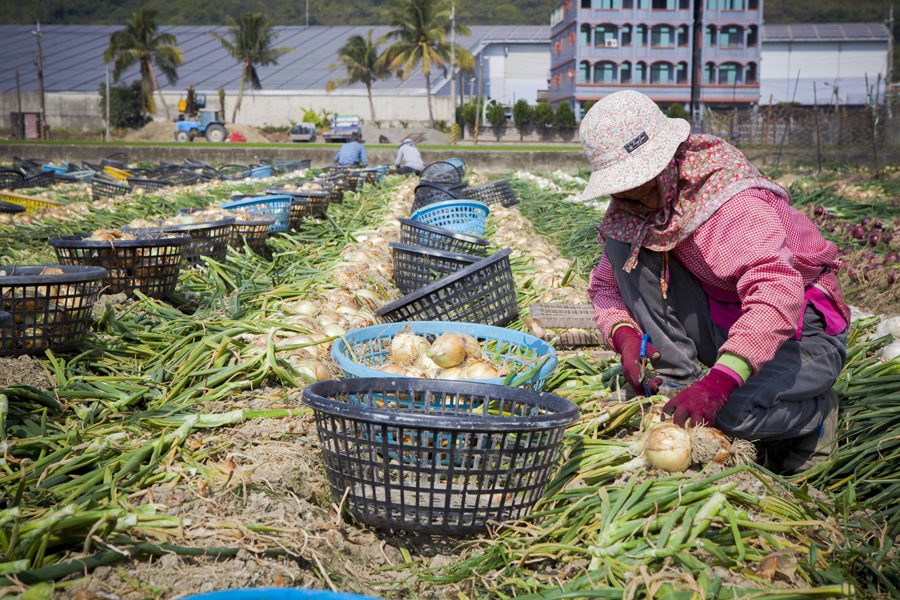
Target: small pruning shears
[[646, 368]]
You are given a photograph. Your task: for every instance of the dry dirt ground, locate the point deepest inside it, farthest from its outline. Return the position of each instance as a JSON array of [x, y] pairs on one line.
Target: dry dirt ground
[[164, 131]]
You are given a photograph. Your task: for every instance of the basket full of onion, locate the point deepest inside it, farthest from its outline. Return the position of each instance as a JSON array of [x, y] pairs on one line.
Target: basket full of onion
[[446, 350]]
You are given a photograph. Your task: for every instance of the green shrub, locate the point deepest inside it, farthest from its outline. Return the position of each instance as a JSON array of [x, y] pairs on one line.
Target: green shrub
[[565, 116], [125, 106], [468, 113], [588, 105], [310, 116], [677, 111], [543, 115], [496, 115], [522, 114]]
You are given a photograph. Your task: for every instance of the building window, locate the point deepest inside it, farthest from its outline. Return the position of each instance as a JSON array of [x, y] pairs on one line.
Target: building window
[[752, 38], [585, 3], [662, 36], [732, 4], [585, 39], [628, 4], [729, 74], [640, 72], [625, 72], [608, 4], [605, 72], [643, 4], [626, 35], [584, 72], [709, 73], [662, 4], [752, 4], [731, 36], [604, 32], [683, 33], [661, 73], [712, 4], [750, 73], [710, 40], [640, 36], [684, 4], [681, 71]]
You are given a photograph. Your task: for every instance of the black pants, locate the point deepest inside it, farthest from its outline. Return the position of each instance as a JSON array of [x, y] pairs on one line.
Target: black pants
[[785, 399], [407, 170]]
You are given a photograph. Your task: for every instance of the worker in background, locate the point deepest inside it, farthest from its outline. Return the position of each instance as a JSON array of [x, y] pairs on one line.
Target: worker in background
[[352, 154], [708, 258], [409, 156]]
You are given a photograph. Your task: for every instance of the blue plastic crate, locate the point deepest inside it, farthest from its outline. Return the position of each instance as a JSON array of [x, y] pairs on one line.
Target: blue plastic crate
[[54, 168], [260, 172], [371, 348], [278, 207], [461, 216]]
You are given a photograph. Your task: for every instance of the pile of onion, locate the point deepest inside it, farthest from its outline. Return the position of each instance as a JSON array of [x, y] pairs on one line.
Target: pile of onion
[[450, 356], [668, 447]]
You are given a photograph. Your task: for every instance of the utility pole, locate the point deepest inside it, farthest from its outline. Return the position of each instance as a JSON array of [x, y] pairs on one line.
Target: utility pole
[[890, 61], [107, 102], [307, 13], [697, 61], [40, 74], [453, 56], [18, 91]]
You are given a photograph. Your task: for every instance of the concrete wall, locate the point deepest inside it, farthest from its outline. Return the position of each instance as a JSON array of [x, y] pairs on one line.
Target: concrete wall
[[489, 161], [81, 110], [827, 64]]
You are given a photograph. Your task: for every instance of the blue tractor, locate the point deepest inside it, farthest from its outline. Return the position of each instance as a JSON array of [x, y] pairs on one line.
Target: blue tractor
[[194, 119]]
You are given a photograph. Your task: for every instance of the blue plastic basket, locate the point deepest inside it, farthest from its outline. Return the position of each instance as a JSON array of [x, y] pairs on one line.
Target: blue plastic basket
[[278, 207], [260, 172], [358, 352], [459, 164], [54, 168], [277, 594], [461, 216]]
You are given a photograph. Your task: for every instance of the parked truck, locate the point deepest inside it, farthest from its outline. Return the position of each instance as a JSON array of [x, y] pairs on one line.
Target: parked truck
[[342, 129]]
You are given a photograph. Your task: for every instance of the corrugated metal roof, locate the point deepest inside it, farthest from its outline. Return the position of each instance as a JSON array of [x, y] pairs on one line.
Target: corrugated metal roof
[[73, 60], [826, 32]]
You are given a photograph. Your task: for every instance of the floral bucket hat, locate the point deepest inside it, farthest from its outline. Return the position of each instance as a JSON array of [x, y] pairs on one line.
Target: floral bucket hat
[[629, 141]]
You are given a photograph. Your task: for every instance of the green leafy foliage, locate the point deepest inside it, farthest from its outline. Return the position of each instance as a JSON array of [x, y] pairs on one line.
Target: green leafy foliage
[[522, 113], [565, 116], [677, 111], [466, 115], [496, 115], [125, 111], [543, 115]]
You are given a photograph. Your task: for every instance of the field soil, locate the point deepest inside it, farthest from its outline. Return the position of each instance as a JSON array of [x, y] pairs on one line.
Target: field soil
[[164, 131]]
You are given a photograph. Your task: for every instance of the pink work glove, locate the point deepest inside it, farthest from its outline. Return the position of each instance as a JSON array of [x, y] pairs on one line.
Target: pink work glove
[[627, 342], [703, 400]]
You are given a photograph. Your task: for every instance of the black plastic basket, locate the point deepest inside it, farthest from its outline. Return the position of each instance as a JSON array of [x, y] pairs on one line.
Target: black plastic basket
[[10, 208], [355, 180], [207, 239], [341, 184], [118, 157], [48, 312], [436, 456], [492, 192], [147, 184], [417, 266], [428, 193], [288, 166], [177, 176], [147, 265], [39, 179], [253, 232], [483, 292], [307, 208], [416, 233], [10, 179], [442, 171], [107, 189]]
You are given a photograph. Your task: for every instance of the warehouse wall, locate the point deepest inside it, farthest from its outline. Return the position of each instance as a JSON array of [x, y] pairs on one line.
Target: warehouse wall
[[81, 111]]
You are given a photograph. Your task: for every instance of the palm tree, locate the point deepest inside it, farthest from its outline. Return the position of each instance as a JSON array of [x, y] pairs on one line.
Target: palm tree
[[421, 28], [139, 43], [251, 44], [360, 57]]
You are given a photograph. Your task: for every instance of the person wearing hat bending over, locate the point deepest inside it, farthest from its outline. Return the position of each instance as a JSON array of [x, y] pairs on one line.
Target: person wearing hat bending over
[[707, 257], [352, 154], [409, 156]]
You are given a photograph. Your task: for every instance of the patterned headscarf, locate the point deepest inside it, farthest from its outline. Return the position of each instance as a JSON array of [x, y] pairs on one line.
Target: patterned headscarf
[[704, 174]]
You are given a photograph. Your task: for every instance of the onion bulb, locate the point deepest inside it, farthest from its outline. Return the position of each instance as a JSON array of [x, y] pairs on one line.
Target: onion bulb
[[333, 329], [427, 366], [448, 350], [667, 447], [891, 351], [310, 370], [407, 347], [473, 348], [305, 308], [453, 373], [480, 369]]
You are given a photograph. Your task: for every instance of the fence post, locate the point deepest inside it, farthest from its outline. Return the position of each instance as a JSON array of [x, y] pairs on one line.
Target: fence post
[[766, 137], [818, 133], [872, 121]]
